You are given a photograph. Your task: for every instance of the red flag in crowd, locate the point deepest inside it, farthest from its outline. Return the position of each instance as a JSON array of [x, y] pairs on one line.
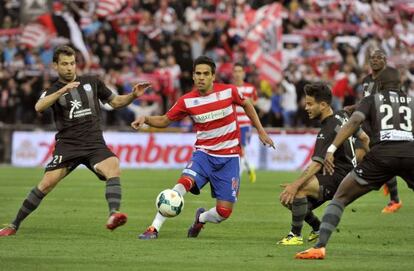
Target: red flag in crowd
[[109, 7], [34, 35], [263, 40]]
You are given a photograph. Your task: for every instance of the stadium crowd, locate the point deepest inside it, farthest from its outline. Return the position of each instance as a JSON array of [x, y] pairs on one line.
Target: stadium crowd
[[157, 40]]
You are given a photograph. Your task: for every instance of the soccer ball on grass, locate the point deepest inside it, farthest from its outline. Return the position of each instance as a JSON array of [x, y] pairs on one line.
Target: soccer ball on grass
[[169, 203]]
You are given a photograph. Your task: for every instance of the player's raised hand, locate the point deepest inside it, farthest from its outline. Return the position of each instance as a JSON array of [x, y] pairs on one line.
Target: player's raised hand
[[266, 140], [140, 88], [328, 163], [68, 87], [138, 122]]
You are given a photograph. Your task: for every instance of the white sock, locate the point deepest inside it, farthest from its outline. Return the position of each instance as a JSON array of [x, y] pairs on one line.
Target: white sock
[[211, 216], [180, 189], [246, 164], [242, 165], [158, 221]]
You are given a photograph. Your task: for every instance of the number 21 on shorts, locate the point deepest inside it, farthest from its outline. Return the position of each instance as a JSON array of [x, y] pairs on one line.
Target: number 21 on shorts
[[57, 159]]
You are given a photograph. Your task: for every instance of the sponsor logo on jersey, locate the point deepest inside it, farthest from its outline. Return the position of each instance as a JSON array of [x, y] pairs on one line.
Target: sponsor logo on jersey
[[75, 111], [213, 115]]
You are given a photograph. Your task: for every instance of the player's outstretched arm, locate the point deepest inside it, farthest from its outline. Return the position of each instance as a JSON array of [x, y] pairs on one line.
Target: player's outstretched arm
[[153, 121], [124, 100], [251, 113], [45, 102]]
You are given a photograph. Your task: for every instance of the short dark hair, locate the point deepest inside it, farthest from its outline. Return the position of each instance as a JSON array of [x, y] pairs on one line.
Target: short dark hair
[[319, 91], [62, 50], [205, 60], [378, 51], [238, 64]]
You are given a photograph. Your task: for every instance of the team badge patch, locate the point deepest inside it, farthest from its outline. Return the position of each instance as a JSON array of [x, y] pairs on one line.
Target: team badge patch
[[87, 87]]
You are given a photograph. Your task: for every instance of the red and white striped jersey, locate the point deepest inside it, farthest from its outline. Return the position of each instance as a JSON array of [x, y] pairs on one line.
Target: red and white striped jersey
[[246, 91], [214, 117]]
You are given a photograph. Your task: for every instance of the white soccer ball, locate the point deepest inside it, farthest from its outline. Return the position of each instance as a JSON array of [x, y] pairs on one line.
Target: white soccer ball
[[169, 203]]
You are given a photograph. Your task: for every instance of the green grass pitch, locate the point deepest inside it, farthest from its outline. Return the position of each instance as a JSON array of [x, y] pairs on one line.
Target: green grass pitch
[[68, 232]]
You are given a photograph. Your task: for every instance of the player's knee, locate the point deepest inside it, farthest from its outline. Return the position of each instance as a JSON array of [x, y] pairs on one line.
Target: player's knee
[[224, 211], [301, 194], [187, 182]]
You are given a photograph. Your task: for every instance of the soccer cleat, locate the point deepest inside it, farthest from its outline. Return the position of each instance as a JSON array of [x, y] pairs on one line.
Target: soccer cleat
[[8, 230], [313, 236], [252, 174], [311, 254], [392, 207], [291, 240], [196, 227], [150, 233], [115, 220]]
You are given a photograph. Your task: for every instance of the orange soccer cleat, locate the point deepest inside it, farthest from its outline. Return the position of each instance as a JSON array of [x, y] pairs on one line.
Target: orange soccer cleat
[[392, 207], [311, 254]]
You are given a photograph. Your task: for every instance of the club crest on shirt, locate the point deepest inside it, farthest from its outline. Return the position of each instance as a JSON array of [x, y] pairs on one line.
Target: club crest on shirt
[[87, 87]]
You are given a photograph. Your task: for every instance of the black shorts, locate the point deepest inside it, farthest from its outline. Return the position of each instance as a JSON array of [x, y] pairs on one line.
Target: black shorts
[[377, 168], [328, 184], [70, 155]]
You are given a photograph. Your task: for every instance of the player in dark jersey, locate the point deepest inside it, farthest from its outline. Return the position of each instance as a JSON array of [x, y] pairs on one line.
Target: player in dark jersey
[[383, 77], [313, 188], [389, 115], [75, 104]]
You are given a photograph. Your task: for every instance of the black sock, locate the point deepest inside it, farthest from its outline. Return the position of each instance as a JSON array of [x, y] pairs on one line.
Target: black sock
[[113, 194], [30, 204], [392, 187], [299, 211], [313, 221], [330, 220]]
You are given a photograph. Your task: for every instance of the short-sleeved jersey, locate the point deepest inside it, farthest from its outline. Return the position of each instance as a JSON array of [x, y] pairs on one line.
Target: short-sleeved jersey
[[389, 116], [214, 118], [344, 156], [247, 91], [388, 79], [77, 113]]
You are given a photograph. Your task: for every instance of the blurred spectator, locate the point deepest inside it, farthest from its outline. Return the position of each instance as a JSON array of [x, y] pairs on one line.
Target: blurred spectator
[[157, 41], [276, 118], [289, 103]]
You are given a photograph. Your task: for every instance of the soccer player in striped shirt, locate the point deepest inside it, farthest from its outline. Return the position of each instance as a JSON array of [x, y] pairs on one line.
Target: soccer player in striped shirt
[[216, 158], [248, 91]]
